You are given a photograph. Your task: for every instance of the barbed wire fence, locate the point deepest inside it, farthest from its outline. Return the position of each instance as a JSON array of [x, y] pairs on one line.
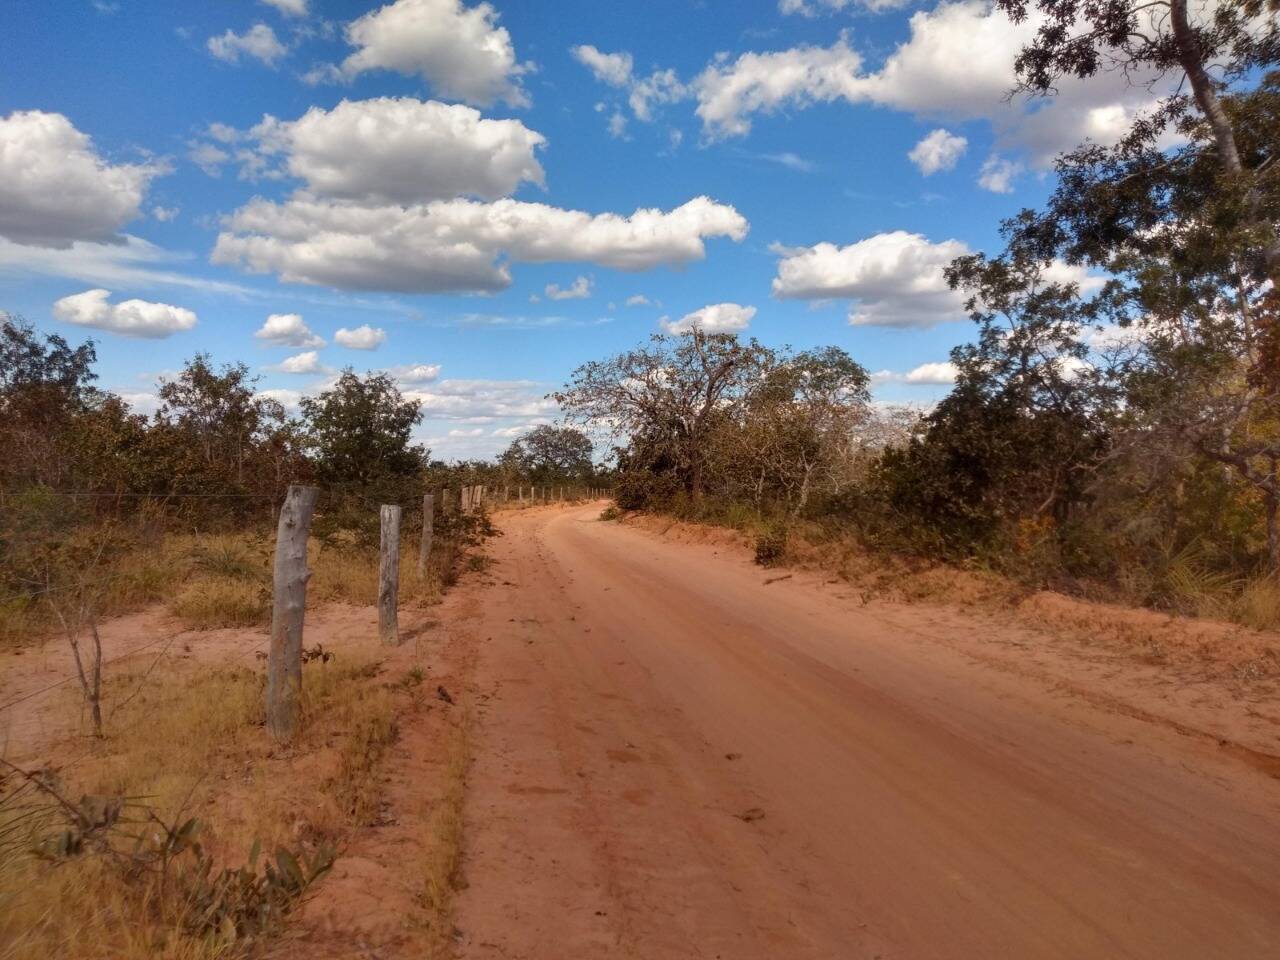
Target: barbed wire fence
[[445, 510]]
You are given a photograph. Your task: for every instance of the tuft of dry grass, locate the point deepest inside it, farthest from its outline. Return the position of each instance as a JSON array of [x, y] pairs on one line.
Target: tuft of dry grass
[[219, 601], [191, 743], [444, 853]]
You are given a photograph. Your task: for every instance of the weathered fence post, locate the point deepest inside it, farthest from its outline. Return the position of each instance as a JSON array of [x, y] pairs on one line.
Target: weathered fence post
[[428, 531], [389, 575], [288, 610]]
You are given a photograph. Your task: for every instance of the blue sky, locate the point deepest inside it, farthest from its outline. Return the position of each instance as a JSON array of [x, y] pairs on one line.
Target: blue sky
[[427, 168]]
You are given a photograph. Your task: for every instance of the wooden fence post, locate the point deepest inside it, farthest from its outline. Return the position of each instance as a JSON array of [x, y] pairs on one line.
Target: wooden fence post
[[288, 610], [389, 575], [428, 532]]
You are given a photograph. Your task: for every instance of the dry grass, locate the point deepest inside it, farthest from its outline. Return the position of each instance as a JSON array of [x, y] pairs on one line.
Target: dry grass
[[444, 853], [213, 602], [192, 744]]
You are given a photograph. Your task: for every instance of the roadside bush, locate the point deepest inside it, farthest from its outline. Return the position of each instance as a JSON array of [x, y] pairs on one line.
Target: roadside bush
[[643, 490], [771, 545]]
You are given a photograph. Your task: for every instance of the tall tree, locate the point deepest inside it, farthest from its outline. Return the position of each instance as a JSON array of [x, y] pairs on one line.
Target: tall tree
[[669, 393], [360, 431], [1184, 216], [548, 454]]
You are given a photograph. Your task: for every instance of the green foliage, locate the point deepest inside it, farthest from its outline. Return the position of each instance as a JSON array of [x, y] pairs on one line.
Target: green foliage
[[550, 455], [359, 433]]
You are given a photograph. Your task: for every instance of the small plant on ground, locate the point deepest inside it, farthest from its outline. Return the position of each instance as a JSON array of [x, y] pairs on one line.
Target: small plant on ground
[[771, 545]]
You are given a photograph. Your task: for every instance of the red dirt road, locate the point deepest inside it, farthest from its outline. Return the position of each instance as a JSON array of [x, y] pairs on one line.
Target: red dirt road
[[675, 759]]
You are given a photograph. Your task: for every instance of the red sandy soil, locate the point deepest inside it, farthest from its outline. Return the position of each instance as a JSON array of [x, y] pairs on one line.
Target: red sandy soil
[[678, 755]]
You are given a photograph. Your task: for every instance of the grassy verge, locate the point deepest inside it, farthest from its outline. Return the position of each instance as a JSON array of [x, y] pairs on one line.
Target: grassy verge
[[189, 747], [444, 837]]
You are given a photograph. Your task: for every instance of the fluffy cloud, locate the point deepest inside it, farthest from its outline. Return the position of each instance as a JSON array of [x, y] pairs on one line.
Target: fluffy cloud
[[54, 187], [480, 401], [415, 374], [456, 245], [259, 42], [209, 158], [363, 337], [401, 150], [301, 363], [288, 330], [716, 318], [638, 300], [927, 374], [729, 92], [812, 8], [939, 150], [997, 174], [611, 68], [616, 70], [895, 278], [130, 318], [580, 289], [461, 51], [289, 8], [958, 63]]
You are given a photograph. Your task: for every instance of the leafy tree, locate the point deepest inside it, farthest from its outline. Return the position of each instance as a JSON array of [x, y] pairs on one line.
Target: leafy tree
[[1188, 233], [799, 423], [548, 454], [667, 396], [1019, 438], [213, 418], [45, 383], [360, 431]]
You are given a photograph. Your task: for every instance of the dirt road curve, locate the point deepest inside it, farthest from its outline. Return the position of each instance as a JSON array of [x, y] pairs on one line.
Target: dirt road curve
[[676, 760]]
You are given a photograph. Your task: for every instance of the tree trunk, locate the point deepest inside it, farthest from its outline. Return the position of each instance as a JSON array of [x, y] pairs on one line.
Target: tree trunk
[[289, 602], [1191, 58], [1271, 503], [389, 576]]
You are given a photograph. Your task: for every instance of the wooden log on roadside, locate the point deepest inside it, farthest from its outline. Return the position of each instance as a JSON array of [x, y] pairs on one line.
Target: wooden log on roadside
[[288, 612], [428, 532], [389, 575]]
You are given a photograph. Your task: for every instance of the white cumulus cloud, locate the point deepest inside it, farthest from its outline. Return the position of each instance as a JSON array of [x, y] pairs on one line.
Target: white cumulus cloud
[[997, 174], [363, 337], [729, 92], [457, 245], [939, 150], [459, 50], [715, 318], [415, 374], [259, 42], [399, 150], [927, 374], [301, 363], [55, 189], [638, 300], [289, 8], [617, 70], [895, 278], [129, 318], [580, 289], [611, 68], [288, 330], [813, 8]]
